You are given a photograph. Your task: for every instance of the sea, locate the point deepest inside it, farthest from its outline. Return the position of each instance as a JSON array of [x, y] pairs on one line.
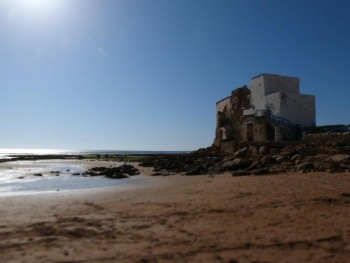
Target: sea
[[21, 177], [6, 153]]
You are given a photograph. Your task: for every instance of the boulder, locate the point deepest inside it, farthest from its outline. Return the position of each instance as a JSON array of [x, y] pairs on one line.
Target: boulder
[[340, 158], [121, 172], [274, 151], [254, 165], [263, 150], [252, 151], [236, 164], [296, 157], [305, 167], [280, 159], [266, 159], [241, 153]]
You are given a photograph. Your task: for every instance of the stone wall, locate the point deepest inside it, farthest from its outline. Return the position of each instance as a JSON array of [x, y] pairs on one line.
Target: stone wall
[[261, 130], [266, 84], [229, 113], [328, 139]]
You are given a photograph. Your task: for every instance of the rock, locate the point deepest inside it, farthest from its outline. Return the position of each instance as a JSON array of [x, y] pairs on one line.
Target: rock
[[38, 174], [236, 164], [274, 151], [120, 172], [254, 165], [241, 153], [296, 157], [305, 167], [263, 150], [340, 158], [252, 151], [266, 159], [280, 159]]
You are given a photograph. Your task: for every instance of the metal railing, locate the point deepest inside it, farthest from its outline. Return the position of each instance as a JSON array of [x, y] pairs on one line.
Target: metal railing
[[280, 121]]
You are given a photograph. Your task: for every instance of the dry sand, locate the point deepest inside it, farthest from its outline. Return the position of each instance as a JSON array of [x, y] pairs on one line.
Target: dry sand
[[274, 218]]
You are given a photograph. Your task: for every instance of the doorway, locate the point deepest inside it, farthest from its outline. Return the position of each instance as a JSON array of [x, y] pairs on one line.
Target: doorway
[[250, 132]]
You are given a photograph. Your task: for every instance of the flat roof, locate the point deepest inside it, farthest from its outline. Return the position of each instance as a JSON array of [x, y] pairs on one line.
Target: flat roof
[[275, 75]]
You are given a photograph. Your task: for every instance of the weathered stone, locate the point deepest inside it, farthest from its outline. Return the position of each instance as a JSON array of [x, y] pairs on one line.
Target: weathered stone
[[263, 150], [296, 157], [286, 153], [241, 153], [305, 167], [254, 165], [252, 151], [274, 151], [237, 163], [120, 172], [281, 159], [340, 158], [267, 159]]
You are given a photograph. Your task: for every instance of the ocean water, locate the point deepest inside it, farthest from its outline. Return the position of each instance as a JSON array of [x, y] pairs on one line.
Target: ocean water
[[18, 177], [5, 153]]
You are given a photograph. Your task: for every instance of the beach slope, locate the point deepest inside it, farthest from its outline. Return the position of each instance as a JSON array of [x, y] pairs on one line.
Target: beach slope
[[272, 218]]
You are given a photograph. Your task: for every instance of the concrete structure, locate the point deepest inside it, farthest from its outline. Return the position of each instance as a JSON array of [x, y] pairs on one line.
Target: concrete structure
[[272, 109]]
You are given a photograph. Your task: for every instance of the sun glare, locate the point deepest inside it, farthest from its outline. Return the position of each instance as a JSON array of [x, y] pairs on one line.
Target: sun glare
[[37, 6]]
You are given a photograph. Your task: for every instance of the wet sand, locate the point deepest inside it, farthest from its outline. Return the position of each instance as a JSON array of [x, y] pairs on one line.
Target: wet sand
[[273, 218]]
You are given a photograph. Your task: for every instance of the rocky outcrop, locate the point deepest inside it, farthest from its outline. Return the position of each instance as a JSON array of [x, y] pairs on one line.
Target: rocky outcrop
[[120, 172], [303, 157]]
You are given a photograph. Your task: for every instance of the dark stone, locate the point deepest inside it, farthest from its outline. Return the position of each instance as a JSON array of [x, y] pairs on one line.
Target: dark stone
[[266, 159], [38, 174], [121, 172], [236, 164], [241, 153], [263, 150], [305, 166], [281, 159]]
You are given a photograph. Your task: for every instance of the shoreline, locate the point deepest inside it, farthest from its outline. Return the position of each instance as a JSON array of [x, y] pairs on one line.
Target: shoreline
[[288, 217], [53, 175]]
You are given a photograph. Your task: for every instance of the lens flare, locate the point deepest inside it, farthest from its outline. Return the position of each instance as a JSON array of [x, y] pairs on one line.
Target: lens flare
[[37, 6]]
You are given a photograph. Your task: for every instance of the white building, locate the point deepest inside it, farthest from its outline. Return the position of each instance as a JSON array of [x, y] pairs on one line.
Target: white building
[[281, 96], [271, 109]]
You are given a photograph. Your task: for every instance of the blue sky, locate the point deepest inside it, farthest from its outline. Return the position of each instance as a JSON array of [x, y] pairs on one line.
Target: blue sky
[[146, 74]]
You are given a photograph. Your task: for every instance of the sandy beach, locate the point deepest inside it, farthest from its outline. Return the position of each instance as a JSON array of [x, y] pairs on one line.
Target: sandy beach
[[289, 217]]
